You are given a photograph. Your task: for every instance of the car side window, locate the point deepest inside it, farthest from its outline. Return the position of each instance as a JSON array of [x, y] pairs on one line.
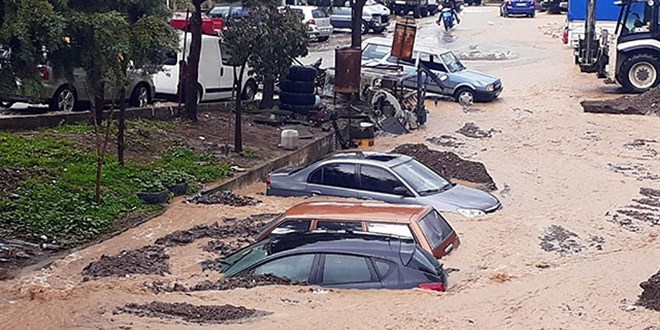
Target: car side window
[[398, 229], [340, 175], [292, 226], [316, 177], [382, 267], [223, 53], [339, 225], [378, 180], [343, 269], [296, 268]]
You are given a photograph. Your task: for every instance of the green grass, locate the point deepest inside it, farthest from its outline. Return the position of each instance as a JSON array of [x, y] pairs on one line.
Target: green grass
[[60, 202]]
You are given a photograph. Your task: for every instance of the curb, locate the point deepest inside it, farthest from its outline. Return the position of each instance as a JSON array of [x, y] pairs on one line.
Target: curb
[[307, 154], [28, 122]]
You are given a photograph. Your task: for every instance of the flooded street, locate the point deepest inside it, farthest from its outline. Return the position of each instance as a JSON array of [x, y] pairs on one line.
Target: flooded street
[[565, 252]]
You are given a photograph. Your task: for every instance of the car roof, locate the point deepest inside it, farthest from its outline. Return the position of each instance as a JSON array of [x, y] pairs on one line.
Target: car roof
[[417, 47], [304, 7], [363, 211], [380, 158], [366, 244]]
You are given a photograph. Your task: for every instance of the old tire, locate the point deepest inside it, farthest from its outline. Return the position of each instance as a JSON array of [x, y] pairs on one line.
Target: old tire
[[249, 91], [322, 39], [301, 73], [297, 86], [640, 72], [364, 27], [64, 99], [140, 97], [297, 98], [299, 109], [464, 91]]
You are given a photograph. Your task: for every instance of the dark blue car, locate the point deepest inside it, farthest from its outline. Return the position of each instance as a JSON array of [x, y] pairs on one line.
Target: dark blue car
[[350, 260], [518, 7]]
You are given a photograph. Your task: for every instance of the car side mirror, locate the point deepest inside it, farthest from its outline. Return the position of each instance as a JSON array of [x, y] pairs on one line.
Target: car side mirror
[[444, 77], [401, 191]]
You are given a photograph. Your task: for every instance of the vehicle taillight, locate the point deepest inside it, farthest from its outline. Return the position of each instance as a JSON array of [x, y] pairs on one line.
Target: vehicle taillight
[[435, 286], [311, 22], [43, 73], [268, 181], [564, 38]]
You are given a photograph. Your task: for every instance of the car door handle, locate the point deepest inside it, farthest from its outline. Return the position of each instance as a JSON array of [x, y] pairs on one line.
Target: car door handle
[[315, 193], [222, 71], [168, 74]]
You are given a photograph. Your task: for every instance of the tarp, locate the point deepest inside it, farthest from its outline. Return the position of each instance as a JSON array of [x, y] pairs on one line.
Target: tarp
[[606, 10]]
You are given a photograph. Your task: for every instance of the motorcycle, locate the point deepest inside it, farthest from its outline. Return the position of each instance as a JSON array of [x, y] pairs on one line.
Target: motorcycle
[[447, 18]]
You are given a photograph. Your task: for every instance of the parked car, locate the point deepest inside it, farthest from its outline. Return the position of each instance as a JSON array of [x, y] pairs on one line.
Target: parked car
[[473, 2], [62, 94], [317, 21], [518, 7], [387, 177], [372, 19], [341, 260], [553, 6], [216, 76], [418, 8], [421, 223], [459, 83], [210, 25]]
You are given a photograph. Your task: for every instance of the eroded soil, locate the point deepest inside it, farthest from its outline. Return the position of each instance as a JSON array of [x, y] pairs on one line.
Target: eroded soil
[[650, 297], [205, 314], [149, 259], [644, 104], [245, 282]]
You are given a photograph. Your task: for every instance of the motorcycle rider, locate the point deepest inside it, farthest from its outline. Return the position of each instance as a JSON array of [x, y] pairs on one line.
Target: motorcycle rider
[[454, 10]]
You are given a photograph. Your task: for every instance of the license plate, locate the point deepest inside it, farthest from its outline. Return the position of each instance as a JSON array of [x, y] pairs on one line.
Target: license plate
[[521, 4]]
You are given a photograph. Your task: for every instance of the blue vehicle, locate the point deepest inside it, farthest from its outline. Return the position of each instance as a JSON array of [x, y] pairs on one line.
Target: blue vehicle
[[607, 14], [518, 7], [447, 15]]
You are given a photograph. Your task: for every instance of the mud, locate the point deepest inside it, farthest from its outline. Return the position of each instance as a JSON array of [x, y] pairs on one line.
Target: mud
[[224, 249], [148, 259], [230, 228], [558, 239], [471, 130], [206, 314], [643, 104], [245, 282], [446, 141], [647, 147], [635, 170], [650, 297], [226, 198], [449, 165], [645, 210]]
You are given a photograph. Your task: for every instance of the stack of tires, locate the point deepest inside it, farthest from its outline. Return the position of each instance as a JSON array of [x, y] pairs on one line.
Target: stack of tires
[[297, 90]]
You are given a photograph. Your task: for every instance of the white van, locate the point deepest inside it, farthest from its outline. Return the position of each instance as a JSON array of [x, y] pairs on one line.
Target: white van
[[216, 78]]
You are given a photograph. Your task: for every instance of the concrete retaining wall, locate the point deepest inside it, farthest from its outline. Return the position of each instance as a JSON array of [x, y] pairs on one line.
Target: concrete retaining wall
[[27, 122], [307, 154]]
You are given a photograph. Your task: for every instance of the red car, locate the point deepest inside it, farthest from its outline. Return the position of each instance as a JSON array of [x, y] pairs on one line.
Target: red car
[[210, 26]]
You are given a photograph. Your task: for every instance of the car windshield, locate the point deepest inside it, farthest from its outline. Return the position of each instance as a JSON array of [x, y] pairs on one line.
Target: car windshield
[[422, 179], [245, 258], [452, 62]]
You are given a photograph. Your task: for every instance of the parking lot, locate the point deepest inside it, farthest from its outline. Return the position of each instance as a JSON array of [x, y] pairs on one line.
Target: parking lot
[[561, 254]]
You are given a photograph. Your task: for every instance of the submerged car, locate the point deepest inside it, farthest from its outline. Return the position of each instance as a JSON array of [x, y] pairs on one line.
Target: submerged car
[[341, 260], [421, 223], [387, 177], [458, 82]]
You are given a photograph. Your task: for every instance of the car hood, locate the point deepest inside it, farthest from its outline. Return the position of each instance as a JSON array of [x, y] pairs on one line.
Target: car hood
[[477, 77], [462, 197]]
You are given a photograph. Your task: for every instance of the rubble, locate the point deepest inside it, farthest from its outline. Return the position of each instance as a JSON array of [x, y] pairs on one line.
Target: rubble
[[205, 314], [148, 259], [650, 297], [643, 104]]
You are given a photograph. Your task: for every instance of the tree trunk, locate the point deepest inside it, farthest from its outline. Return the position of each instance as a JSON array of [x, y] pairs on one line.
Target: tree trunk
[[238, 132], [121, 125], [267, 95], [192, 92], [99, 102], [356, 23]]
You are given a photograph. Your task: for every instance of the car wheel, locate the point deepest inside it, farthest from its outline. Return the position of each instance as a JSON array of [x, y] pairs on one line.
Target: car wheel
[[140, 96], [297, 86], [301, 73], [297, 98], [532, 15], [466, 94], [364, 28], [249, 91], [640, 72], [425, 12], [6, 104], [417, 12], [64, 99]]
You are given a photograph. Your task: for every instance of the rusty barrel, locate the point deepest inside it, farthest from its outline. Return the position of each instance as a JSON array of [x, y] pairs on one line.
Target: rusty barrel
[[347, 70]]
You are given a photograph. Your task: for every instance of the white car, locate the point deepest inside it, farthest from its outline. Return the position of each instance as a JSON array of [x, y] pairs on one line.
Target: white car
[[317, 21]]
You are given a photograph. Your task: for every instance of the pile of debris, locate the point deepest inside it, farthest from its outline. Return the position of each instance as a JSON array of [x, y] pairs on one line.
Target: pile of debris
[[643, 104], [226, 198], [650, 297], [245, 282], [449, 165], [148, 259], [205, 314]]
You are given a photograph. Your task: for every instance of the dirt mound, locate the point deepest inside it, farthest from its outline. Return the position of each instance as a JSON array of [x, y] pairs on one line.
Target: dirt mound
[[642, 104], [449, 165], [148, 259], [643, 210], [650, 297], [471, 130], [224, 249], [208, 314], [226, 198], [246, 282], [231, 228]]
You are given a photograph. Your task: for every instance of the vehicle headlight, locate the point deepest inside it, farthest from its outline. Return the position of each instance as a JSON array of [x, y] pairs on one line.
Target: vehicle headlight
[[490, 88], [470, 213]]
